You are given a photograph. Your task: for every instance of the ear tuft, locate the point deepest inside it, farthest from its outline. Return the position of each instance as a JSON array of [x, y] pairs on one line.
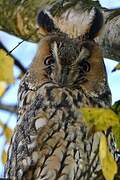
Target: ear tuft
[[96, 23], [45, 22]]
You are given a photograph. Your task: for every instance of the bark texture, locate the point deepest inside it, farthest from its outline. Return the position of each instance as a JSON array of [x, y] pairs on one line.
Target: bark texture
[[18, 17]]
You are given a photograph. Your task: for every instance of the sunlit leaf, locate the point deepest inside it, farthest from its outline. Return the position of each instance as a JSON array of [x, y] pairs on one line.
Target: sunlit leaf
[[6, 67], [108, 164], [6, 131], [4, 156], [3, 86], [101, 118], [117, 67]]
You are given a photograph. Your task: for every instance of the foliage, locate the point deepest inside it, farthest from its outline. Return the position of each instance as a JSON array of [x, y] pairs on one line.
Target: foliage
[[4, 156], [7, 132], [3, 86], [6, 67], [116, 109], [101, 119], [6, 78], [6, 71], [109, 167], [117, 67]]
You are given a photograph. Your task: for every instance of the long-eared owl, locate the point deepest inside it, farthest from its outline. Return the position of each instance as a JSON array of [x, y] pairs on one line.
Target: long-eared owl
[[50, 141]]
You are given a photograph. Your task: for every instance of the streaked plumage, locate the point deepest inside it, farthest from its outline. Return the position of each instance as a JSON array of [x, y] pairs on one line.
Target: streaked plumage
[[51, 140]]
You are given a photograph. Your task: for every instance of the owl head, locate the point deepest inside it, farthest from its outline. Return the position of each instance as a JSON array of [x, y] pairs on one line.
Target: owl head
[[70, 62]]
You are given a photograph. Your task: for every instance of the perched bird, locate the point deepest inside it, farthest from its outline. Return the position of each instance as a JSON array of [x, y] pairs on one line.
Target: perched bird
[[51, 140]]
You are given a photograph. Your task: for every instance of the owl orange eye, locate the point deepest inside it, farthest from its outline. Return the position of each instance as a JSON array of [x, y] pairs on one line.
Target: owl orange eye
[[49, 60]]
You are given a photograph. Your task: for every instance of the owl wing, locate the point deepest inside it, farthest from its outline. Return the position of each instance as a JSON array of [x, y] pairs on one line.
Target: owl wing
[[50, 140], [26, 94], [22, 153]]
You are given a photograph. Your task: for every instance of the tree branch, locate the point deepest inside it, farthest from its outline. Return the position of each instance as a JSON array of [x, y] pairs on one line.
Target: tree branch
[[10, 108], [20, 20]]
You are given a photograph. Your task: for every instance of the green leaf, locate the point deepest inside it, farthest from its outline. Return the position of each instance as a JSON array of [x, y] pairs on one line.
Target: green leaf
[[116, 108], [116, 130]]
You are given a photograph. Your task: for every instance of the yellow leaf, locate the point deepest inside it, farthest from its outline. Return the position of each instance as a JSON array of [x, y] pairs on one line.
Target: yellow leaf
[[101, 118], [6, 67], [3, 86], [4, 157], [117, 67], [108, 164], [7, 131]]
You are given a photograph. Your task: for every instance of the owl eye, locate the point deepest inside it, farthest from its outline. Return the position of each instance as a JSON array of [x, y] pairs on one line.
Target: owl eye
[[49, 60], [85, 66]]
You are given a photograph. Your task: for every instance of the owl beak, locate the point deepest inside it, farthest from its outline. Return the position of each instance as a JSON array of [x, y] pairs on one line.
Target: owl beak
[[63, 81], [68, 77]]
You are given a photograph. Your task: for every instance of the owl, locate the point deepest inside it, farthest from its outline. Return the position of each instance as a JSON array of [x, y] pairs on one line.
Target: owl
[[51, 140]]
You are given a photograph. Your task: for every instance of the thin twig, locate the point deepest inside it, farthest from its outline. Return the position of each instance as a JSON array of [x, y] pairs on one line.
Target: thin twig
[[9, 52], [24, 40], [20, 66]]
